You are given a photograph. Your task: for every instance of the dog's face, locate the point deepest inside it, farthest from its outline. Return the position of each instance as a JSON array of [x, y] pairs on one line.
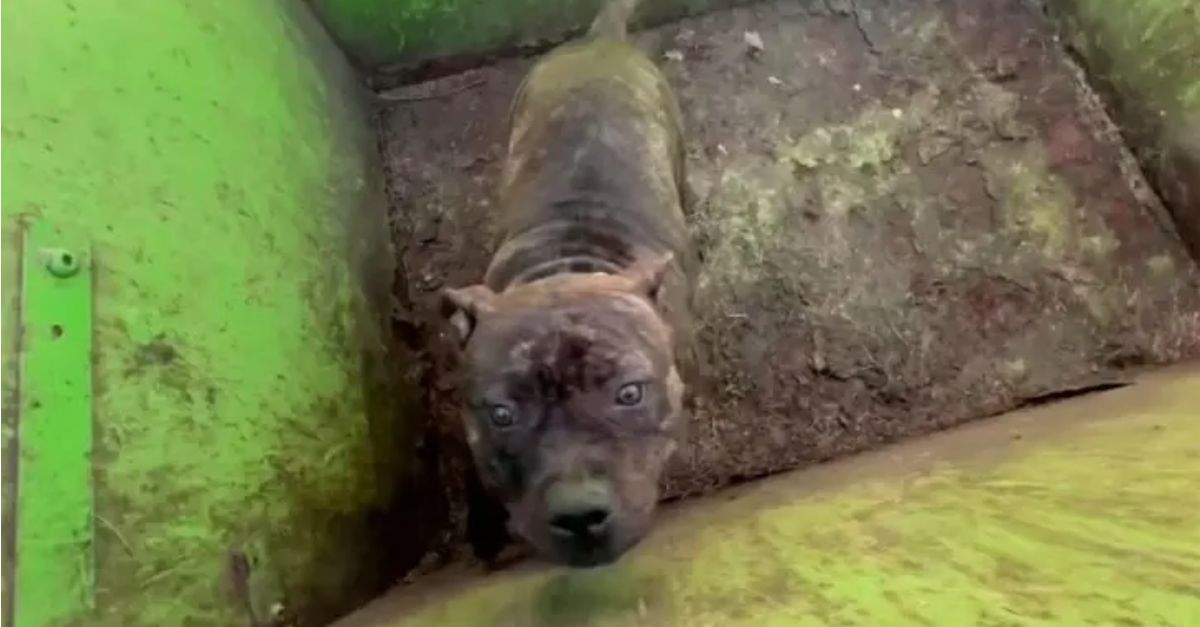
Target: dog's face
[[573, 401]]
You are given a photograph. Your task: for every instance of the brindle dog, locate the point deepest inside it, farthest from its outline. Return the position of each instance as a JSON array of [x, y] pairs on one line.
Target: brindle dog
[[573, 393]]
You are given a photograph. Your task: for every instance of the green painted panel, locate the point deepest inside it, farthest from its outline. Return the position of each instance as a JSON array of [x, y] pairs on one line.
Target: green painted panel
[[379, 33], [216, 158], [54, 522], [1078, 513]]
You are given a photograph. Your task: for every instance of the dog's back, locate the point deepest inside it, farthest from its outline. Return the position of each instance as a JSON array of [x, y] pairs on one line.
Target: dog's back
[[594, 170]]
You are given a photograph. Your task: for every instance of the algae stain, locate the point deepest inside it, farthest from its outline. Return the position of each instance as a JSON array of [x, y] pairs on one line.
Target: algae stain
[[1161, 265], [1101, 303], [927, 33], [1015, 369], [834, 177], [850, 164], [999, 108], [745, 221], [1035, 202], [1100, 246], [856, 162]]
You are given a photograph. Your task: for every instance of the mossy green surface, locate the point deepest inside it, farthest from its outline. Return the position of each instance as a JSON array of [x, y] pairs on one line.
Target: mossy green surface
[[215, 160], [1151, 46], [1079, 513]]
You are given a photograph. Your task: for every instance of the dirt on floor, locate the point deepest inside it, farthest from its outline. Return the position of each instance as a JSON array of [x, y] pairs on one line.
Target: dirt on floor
[[911, 214]]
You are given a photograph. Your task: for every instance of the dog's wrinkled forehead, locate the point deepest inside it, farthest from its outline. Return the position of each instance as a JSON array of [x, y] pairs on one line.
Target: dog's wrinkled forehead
[[578, 356], [578, 346]]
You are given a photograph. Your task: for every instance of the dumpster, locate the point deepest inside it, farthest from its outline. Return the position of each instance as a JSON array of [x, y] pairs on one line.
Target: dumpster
[[228, 398]]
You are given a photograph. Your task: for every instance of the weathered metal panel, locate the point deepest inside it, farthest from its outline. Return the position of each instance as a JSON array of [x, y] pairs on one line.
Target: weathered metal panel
[[216, 157], [54, 535]]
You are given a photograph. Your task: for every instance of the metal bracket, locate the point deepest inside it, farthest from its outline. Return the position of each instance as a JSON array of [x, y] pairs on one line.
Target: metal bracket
[[54, 535]]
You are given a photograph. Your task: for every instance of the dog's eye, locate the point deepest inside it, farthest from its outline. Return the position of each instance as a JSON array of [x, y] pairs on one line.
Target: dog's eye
[[630, 394], [502, 416]]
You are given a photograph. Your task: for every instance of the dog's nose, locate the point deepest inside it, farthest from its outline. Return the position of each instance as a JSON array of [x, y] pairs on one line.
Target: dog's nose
[[579, 510], [591, 522]]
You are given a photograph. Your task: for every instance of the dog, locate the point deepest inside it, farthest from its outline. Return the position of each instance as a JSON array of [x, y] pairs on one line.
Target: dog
[[571, 378]]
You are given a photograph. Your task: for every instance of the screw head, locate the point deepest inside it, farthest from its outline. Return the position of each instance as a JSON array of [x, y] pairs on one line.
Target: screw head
[[62, 262]]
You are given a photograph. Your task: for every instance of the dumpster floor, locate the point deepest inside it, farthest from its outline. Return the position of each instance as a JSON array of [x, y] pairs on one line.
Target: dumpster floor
[[1076, 513], [911, 214]]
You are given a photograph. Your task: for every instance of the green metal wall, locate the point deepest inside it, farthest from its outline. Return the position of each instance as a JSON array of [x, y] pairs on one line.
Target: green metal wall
[[208, 165], [381, 33], [1145, 56]]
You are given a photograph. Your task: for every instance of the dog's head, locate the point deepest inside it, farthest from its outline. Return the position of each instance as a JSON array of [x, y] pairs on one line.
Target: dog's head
[[573, 404]]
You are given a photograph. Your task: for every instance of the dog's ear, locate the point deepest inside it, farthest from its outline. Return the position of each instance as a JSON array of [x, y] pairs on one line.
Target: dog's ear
[[648, 273], [464, 307]]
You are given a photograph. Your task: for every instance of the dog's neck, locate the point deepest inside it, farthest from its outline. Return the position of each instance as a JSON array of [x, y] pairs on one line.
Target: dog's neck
[[581, 264], [575, 237]]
